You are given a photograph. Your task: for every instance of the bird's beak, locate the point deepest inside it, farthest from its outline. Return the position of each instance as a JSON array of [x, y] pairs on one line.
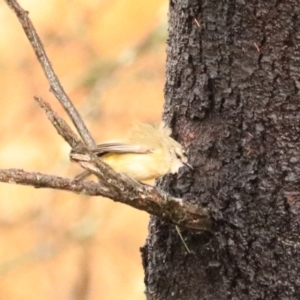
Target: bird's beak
[[189, 166]]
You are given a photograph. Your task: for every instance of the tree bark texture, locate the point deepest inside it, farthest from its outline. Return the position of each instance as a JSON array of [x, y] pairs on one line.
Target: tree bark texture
[[232, 99]]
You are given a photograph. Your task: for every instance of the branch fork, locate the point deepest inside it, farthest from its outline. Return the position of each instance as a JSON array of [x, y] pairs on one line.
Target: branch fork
[[117, 187]]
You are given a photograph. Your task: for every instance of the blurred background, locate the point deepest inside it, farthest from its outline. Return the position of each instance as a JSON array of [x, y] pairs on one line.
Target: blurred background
[[110, 58]]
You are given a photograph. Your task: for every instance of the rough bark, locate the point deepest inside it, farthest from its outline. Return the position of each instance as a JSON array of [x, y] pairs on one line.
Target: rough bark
[[232, 97]]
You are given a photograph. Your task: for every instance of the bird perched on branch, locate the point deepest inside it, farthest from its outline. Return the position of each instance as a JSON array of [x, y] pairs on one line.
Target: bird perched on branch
[[145, 153]]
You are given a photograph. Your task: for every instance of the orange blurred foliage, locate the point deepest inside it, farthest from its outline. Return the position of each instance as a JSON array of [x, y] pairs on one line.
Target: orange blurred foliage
[[110, 57]]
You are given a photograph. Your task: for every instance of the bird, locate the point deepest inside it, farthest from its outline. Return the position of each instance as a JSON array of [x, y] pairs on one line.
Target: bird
[[145, 153]]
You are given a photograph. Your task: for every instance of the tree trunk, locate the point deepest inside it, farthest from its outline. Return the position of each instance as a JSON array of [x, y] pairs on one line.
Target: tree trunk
[[232, 99]]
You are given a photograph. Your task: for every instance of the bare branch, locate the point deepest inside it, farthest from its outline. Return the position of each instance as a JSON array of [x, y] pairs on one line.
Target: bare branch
[[117, 187], [40, 180], [62, 128], [142, 197], [54, 82]]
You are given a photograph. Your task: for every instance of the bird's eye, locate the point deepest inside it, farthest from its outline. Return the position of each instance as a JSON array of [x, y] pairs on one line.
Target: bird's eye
[[177, 155]]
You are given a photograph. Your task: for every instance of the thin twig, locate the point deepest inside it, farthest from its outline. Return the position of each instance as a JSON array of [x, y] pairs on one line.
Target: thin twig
[[182, 240], [77, 146], [62, 128], [53, 80]]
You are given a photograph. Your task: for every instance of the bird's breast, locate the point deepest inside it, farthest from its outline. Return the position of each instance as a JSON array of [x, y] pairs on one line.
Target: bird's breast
[[141, 167]]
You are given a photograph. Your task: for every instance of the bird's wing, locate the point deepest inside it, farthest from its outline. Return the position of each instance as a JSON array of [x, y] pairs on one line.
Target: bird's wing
[[120, 147]]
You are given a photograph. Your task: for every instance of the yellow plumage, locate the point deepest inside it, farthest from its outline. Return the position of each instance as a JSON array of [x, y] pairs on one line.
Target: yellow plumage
[[145, 153]]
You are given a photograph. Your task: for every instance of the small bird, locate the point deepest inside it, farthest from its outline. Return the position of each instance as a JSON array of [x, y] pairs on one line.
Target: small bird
[[145, 153]]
